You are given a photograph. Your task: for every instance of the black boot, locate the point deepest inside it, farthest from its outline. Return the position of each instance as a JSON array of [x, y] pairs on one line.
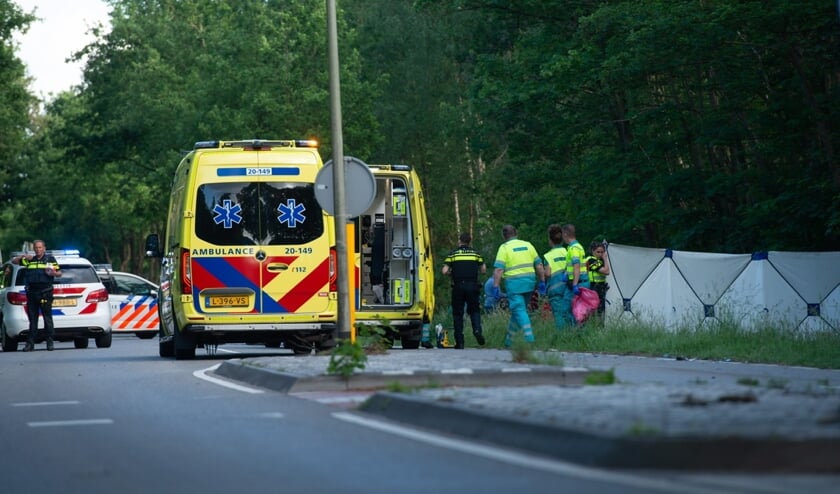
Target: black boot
[[50, 345], [479, 338], [29, 347]]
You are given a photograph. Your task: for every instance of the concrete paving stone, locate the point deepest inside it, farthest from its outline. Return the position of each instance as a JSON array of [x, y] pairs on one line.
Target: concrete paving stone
[[694, 415]]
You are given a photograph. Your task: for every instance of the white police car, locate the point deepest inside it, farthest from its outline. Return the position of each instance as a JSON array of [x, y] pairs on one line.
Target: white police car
[[133, 300], [80, 304]]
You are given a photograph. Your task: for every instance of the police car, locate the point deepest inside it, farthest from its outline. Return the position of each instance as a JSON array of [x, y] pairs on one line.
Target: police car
[[133, 301], [80, 304]]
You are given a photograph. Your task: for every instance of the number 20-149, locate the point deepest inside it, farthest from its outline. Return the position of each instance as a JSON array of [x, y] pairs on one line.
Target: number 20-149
[[298, 250]]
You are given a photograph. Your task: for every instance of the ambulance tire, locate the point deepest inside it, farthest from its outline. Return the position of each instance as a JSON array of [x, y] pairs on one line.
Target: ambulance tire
[[299, 346], [166, 343], [146, 336], [104, 340], [410, 343], [166, 347], [81, 343], [184, 345]]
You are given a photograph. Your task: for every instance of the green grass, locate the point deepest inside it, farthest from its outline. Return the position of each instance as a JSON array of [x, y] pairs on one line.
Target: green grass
[[721, 342]]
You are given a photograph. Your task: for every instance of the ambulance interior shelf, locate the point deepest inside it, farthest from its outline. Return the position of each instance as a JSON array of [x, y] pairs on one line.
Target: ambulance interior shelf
[[384, 243]]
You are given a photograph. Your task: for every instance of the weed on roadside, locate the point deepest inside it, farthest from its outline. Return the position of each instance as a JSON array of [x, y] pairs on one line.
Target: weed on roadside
[[345, 358], [600, 378], [748, 381]]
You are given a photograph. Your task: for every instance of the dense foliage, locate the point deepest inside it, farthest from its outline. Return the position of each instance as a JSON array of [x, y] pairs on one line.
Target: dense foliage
[[709, 125]]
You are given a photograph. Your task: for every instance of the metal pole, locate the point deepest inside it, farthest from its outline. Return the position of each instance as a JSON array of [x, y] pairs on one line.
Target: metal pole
[[341, 217]]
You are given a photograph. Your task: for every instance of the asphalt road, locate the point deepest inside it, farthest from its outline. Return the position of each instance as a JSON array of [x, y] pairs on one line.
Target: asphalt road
[[125, 420]]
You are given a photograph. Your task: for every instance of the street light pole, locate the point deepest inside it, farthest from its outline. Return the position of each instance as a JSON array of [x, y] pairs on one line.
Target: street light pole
[[341, 218]]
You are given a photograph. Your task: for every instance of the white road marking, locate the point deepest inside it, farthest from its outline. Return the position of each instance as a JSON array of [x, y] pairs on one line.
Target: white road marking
[[456, 371], [524, 459], [64, 423], [45, 403], [202, 374]]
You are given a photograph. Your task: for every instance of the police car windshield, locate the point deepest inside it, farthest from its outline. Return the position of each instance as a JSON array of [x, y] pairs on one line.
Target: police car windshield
[[258, 213], [70, 274]]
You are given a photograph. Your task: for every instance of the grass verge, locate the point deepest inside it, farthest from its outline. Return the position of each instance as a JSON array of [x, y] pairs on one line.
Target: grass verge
[[720, 342]]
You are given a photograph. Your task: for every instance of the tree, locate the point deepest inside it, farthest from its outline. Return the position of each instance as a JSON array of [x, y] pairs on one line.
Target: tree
[[17, 105]]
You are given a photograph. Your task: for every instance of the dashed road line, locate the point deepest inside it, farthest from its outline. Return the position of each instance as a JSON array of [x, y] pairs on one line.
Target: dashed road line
[[67, 423], [45, 403]]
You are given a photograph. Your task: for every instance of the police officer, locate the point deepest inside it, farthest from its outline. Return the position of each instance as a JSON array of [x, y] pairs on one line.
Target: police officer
[[598, 267], [518, 263], [41, 270], [463, 265]]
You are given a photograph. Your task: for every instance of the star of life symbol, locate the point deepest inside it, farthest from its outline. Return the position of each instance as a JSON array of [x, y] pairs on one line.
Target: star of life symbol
[[228, 213], [291, 213]]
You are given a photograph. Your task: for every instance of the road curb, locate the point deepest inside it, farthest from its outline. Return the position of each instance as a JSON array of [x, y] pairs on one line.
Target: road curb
[[285, 382], [675, 453]]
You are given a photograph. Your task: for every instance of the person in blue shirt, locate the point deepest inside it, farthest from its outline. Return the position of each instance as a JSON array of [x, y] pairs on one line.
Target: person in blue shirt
[[491, 303]]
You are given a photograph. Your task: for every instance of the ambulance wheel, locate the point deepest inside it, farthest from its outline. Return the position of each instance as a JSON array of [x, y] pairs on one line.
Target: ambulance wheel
[[410, 343], [104, 340], [299, 346], [184, 345], [81, 343], [166, 347]]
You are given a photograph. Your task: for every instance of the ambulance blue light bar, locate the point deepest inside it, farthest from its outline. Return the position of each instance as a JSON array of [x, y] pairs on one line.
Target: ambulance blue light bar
[[257, 144]]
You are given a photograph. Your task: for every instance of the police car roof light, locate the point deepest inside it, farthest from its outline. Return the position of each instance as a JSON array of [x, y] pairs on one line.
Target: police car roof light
[[64, 252]]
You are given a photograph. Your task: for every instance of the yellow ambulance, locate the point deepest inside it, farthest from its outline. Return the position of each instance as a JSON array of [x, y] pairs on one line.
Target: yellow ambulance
[[248, 255], [394, 266]]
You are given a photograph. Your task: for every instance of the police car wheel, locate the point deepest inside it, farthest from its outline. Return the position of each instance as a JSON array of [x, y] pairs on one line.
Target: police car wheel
[[80, 342], [104, 340], [9, 344]]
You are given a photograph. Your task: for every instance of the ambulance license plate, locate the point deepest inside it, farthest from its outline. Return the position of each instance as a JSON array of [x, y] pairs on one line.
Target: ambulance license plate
[[227, 301], [64, 302]]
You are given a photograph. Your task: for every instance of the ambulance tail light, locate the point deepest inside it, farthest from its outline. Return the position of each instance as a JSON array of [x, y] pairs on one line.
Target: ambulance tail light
[[15, 298], [186, 272], [96, 296], [333, 270]]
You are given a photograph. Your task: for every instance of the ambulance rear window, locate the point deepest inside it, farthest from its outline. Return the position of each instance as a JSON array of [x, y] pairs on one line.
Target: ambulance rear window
[[258, 213]]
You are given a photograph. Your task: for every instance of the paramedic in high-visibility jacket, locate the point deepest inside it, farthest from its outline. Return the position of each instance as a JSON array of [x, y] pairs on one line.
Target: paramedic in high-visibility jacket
[[521, 268], [555, 270], [576, 273], [41, 269]]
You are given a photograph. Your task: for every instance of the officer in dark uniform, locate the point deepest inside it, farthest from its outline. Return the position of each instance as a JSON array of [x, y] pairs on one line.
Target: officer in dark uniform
[[41, 269], [464, 265]]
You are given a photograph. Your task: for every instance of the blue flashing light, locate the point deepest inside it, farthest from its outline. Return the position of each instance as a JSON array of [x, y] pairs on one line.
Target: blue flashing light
[[206, 145]]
